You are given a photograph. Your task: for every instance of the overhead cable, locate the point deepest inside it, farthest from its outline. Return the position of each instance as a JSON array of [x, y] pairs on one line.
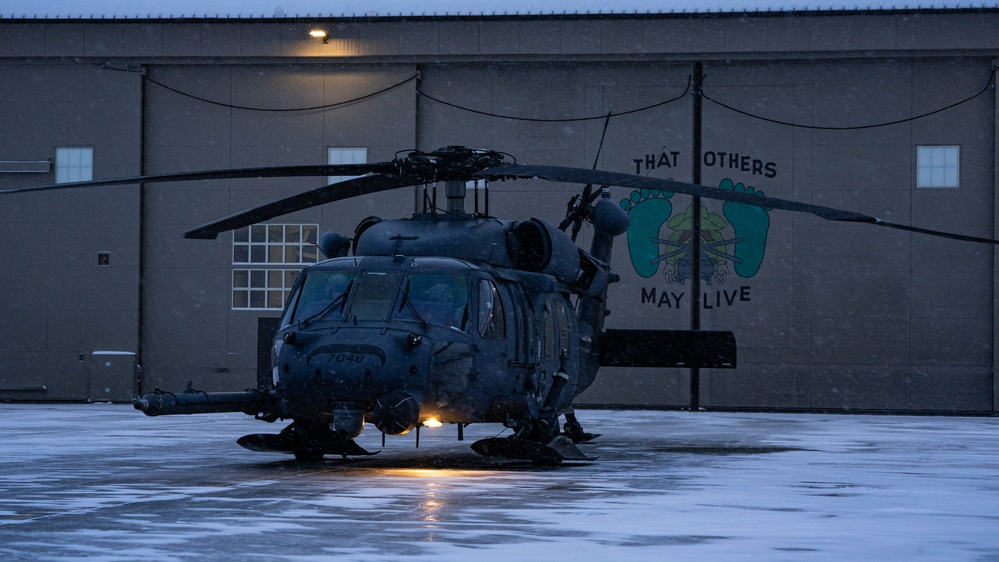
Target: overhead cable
[[988, 85], [281, 110], [606, 116], [553, 120]]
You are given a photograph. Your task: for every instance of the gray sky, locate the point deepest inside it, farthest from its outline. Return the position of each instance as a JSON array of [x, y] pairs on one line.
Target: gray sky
[[106, 9]]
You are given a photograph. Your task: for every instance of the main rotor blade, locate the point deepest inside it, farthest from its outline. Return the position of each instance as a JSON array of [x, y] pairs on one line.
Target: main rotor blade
[[580, 175], [236, 173], [332, 192]]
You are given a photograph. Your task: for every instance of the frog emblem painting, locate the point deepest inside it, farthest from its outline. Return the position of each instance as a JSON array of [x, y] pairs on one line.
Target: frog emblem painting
[[660, 241]]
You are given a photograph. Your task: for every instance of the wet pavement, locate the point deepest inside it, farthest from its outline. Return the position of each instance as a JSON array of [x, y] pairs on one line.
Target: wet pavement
[[103, 482]]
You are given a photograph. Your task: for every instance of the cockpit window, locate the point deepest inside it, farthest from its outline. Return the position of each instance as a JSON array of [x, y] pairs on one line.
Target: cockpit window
[[491, 324], [437, 298], [323, 295], [373, 295]]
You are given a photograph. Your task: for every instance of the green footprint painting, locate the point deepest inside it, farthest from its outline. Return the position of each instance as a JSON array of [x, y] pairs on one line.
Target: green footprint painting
[[647, 211], [751, 224], [738, 235]]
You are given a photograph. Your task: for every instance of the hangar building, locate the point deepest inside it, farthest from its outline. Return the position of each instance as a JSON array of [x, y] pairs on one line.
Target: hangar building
[[886, 108]]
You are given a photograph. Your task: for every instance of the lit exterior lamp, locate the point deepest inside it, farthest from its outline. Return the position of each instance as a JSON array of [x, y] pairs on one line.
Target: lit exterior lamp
[[320, 34]]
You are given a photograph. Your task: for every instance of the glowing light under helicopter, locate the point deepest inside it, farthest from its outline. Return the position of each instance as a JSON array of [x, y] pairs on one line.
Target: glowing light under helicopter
[[432, 422]]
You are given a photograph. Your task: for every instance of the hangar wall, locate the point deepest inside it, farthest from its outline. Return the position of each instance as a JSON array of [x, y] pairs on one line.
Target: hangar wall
[[828, 316], [57, 305]]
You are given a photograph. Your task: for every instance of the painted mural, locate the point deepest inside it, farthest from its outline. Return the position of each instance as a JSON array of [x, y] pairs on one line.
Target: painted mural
[[733, 241]]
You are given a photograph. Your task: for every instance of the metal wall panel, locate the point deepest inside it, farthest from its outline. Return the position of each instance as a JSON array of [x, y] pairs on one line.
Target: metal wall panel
[[841, 317]]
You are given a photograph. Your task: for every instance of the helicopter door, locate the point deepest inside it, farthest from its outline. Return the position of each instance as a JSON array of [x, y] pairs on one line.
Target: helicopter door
[[522, 339], [557, 332], [493, 328], [549, 344]]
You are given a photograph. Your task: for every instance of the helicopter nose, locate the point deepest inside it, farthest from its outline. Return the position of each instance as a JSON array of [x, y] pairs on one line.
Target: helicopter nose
[[345, 366], [389, 374]]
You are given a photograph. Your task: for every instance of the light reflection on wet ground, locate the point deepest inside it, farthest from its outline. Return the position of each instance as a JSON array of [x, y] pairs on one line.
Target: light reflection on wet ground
[[102, 482]]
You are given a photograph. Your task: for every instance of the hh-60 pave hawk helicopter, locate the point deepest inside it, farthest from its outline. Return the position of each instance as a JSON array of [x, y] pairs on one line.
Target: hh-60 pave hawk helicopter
[[460, 317]]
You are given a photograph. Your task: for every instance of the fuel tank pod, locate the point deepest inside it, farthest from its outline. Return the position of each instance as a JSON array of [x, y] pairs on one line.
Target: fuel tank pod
[[396, 412]]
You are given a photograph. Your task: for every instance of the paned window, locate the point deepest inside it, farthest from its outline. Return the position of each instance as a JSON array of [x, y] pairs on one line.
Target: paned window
[[74, 164], [261, 289], [346, 156], [275, 244], [938, 166], [272, 256]]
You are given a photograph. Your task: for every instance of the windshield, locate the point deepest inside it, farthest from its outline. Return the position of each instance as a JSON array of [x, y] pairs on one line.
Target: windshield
[[323, 295], [373, 295], [437, 298]]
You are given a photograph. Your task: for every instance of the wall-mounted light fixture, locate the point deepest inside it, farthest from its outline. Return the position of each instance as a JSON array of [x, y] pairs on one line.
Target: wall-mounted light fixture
[[320, 34]]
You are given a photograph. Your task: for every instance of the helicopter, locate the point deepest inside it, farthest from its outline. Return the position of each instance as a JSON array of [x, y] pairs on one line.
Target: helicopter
[[451, 316]]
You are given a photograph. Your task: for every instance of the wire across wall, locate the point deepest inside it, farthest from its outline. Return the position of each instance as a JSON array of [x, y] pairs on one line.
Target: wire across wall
[[989, 84]]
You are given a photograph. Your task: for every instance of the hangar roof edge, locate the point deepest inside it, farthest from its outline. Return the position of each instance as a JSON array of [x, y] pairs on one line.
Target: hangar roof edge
[[407, 9]]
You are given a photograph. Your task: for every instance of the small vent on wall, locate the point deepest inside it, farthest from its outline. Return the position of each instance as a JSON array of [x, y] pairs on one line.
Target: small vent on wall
[[25, 166]]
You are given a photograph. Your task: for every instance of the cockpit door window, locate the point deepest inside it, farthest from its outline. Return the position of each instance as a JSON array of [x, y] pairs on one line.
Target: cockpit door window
[[435, 298], [491, 321]]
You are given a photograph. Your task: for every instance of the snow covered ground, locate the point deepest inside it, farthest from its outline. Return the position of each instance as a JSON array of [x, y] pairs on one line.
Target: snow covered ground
[[103, 482]]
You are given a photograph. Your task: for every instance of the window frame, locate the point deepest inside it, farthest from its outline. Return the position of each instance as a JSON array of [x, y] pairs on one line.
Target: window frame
[[266, 283], [335, 156], [928, 166], [68, 171], [304, 247], [260, 283]]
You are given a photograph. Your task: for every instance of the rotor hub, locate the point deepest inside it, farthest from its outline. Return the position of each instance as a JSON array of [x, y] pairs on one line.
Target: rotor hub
[[452, 163]]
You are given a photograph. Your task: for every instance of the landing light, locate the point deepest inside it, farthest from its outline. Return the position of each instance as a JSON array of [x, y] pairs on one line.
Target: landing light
[[432, 422]]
